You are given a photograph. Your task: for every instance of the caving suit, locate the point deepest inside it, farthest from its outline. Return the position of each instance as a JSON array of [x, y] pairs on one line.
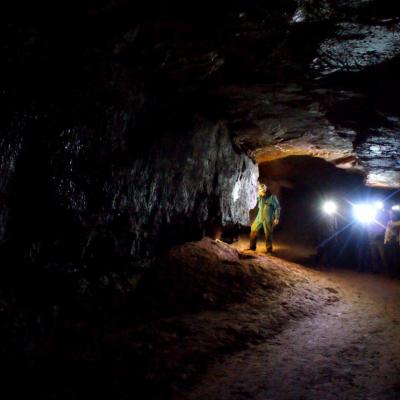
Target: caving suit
[[268, 210]]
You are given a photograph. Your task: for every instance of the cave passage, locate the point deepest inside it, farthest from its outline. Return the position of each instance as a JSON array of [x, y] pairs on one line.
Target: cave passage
[[132, 136], [307, 233]]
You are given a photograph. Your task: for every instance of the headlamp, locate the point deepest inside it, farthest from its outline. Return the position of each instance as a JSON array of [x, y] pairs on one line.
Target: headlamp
[[329, 207], [364, 213]]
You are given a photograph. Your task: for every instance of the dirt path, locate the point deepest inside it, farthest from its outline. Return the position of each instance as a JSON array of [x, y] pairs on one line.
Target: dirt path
[[348, 350], [292, 251]]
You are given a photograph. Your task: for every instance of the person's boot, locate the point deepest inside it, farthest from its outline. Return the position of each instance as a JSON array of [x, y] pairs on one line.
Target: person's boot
[[269, 249], [253, 241]]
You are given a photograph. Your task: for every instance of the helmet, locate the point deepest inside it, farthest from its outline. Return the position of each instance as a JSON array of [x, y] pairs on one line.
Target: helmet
[[262, 186]]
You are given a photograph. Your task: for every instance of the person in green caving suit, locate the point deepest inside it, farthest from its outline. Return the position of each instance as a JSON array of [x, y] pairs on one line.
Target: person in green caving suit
[[267, 217]]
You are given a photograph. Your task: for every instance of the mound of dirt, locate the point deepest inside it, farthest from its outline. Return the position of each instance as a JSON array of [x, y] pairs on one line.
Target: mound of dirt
[[206, 274]]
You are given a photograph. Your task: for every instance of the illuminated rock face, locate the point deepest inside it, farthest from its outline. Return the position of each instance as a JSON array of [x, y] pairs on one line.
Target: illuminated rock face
[[356, 47], [181, 189], [275, 121], [178, 187], [381, 153]]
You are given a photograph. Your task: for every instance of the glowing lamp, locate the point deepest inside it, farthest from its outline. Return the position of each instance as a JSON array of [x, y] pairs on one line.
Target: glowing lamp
[[329, 207], [379, 205], [396, 207], [364, 213]]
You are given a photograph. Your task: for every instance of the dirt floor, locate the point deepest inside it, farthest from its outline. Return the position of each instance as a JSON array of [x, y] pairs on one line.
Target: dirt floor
[[284, 248], [211, 321], [214, 322], [347, 348]]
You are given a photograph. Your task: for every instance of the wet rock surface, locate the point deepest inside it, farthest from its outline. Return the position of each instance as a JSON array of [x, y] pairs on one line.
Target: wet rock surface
[[357, 46]]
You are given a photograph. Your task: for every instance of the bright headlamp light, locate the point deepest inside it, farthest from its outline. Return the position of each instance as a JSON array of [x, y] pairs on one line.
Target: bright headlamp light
[[329, 207], [364, 213]]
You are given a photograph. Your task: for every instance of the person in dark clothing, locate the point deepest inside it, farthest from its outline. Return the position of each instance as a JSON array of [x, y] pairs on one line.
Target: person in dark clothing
[[376, 234], [327, 249], [363, 255]]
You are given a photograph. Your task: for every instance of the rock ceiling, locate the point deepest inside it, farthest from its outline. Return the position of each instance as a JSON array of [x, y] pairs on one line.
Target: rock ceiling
[[340, 104], [301, 77], [282, 120]]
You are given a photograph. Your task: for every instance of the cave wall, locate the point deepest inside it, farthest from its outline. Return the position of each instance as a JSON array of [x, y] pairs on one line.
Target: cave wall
[[107, 146], [180, 189], [87, 194]]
